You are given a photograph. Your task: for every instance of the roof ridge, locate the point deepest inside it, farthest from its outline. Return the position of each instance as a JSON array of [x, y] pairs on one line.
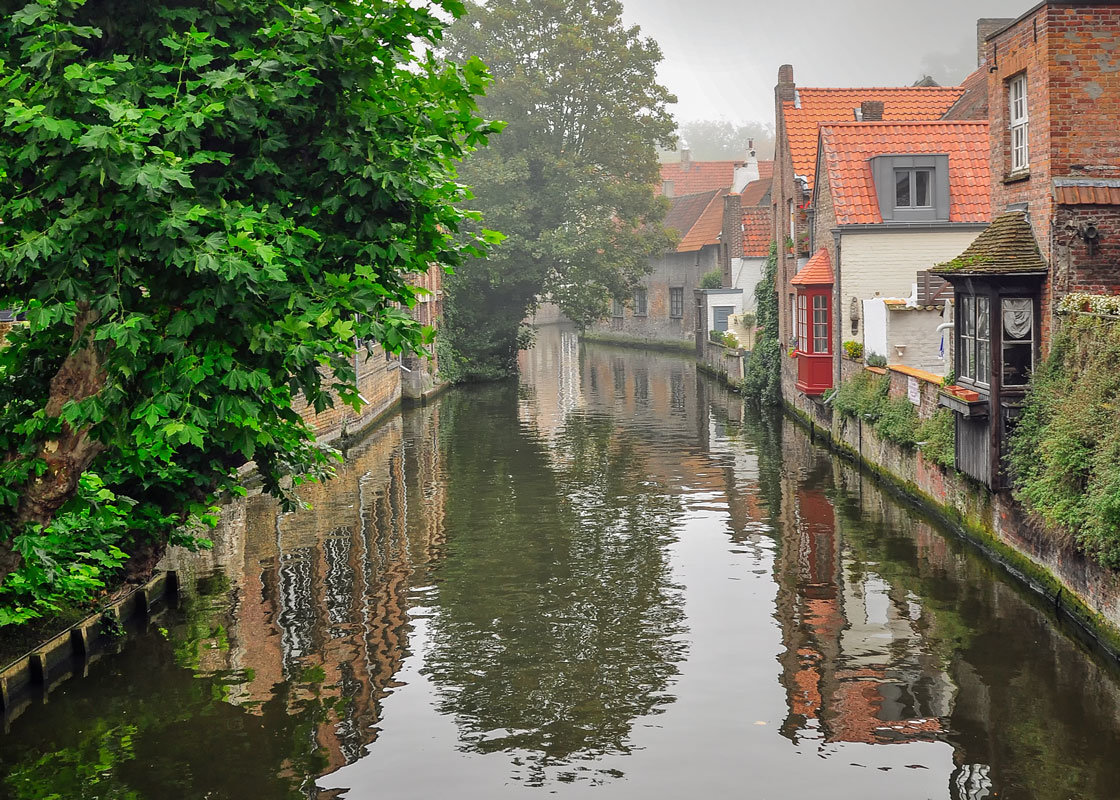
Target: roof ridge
[[878, 88], [870, 122]]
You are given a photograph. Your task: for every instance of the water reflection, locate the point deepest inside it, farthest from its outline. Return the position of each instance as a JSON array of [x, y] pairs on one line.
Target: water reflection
[[613, 577]]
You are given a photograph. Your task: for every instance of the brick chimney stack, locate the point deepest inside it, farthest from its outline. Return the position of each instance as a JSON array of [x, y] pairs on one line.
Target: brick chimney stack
[[686, 156], [871, 111], [985, 27], [786, 89]]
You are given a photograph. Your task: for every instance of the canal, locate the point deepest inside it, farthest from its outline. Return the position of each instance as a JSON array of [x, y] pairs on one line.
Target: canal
[[610, 580]]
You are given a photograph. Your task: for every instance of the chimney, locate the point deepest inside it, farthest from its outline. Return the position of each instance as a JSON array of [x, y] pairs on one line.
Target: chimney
[[871, 111], [686, 156], [745, 171], [984, 28], [786, 90]]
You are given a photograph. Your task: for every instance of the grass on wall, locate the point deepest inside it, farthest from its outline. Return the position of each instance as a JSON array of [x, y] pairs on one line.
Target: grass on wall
[[866, 397]]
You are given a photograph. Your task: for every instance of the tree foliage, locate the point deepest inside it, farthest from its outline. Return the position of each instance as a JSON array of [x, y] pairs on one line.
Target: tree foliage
[[207, 205], [570, 182]]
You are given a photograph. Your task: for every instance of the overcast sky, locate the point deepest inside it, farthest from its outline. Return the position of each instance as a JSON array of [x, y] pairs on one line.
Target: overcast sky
[[722, 56]]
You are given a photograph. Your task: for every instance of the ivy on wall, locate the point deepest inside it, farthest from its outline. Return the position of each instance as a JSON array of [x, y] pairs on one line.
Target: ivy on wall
[[763, 380], [1065, 451]]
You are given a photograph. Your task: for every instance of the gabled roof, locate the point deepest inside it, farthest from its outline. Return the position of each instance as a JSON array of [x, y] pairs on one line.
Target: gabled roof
[[818, 272], [973, 104], [813, 107], [847, 149], [1007, 246], [698, 218], [755, 192], [758, 231], [695, 177]]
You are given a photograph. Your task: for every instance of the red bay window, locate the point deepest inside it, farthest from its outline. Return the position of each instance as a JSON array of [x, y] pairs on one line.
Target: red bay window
[[813, 349]]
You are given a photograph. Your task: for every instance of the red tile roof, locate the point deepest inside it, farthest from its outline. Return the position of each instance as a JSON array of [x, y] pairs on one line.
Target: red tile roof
[[1087, 195], [700, 176], [817, 272], [698, 218], [848, 148], [815, 107], [758, 231], [755, 192]]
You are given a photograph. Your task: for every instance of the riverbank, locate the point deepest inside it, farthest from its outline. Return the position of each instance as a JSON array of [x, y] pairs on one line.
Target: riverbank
[[1078, 588]]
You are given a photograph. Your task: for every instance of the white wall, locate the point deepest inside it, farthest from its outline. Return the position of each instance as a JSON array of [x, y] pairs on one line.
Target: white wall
[[745, 275], [723, 297], [885, 264], [874, 328]]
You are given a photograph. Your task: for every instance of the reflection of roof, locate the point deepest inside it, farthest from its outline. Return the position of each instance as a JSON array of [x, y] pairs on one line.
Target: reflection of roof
[[695, 177], [758, 223], [973, 104], [698, 218], [817, 272], [1007, 246], [815, 107], [849, 147]]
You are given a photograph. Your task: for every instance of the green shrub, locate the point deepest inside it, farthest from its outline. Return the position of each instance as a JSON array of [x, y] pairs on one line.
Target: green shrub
[[876, 360], [712, 280], [937, 438], [730, 339], [866, 397], [1065, 450], [853, 349]]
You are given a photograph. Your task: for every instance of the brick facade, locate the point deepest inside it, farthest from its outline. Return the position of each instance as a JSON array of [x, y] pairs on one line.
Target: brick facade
[[1070, 54]]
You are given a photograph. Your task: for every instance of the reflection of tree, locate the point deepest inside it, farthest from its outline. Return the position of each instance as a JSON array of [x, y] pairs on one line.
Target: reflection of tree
[[555, 632], [169, 735]]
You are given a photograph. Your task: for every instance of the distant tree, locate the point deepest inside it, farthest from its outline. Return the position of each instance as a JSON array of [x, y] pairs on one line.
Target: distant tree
[[571, 182], [206, 207], [721, 140]]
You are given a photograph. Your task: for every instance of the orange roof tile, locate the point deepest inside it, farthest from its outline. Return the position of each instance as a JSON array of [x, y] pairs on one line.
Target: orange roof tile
[[848, 148], [1074, 195], [758, 231], [814, 107], [755, 192], [698, 218], [817, 272], [973, 104], [696, 177]]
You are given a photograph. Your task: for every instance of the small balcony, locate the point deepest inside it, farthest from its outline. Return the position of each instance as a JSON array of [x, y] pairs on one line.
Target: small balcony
[[814, 372]]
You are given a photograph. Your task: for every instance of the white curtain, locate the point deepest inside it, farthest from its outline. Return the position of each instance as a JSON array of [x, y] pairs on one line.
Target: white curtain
[[1018, 318]]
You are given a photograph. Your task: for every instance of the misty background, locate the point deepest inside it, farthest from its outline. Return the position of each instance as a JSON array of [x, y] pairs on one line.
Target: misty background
[[722, 56]]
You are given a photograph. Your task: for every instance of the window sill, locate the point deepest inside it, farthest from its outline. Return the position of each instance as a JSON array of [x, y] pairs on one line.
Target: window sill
[[1017, 177]]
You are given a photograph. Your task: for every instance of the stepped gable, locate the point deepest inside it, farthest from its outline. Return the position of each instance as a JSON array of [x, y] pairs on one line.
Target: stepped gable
[[1006, 247]]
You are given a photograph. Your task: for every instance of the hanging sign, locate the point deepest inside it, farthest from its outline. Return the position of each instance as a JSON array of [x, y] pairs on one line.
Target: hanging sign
[[914, 390]]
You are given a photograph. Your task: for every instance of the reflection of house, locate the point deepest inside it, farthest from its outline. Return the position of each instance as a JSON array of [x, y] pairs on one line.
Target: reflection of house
[[1055, 169], [321, 593], [855, 668]]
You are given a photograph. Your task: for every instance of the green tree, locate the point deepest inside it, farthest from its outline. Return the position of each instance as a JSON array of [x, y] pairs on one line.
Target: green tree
[[570, 182], [722, 140], [207, 205]]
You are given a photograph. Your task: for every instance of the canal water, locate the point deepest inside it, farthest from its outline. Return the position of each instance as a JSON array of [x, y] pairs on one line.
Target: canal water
[[611, 580]]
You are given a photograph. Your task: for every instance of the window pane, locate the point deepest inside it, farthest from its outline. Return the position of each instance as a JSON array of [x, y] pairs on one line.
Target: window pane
[[1017, 363], [921, 188], [983, 326], [902, 189]]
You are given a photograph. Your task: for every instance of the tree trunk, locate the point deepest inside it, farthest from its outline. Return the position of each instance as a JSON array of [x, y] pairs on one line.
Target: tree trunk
[[71, 453]]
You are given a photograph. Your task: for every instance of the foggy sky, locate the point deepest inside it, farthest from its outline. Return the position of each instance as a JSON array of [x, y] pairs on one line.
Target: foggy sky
[[722, 56]]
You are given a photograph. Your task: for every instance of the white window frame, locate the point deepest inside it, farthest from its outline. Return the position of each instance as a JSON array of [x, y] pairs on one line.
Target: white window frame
[[1019, 123], [802, 323], [912, 173]]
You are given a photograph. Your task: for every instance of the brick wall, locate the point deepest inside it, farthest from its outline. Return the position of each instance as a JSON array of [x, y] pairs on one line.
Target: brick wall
[[379, 382], [785, 191]]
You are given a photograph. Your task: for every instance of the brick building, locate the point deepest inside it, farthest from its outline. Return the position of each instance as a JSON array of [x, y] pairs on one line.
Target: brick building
[[1054, 111], [799, 113]]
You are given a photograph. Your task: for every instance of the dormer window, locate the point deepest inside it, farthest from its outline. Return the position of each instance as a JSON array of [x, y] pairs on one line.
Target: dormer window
[[912, 188], [1017, 114]]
